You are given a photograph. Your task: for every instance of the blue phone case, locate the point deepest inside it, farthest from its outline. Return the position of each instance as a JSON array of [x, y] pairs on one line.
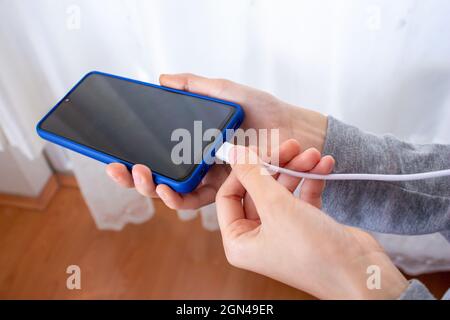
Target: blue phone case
[[184, 186]]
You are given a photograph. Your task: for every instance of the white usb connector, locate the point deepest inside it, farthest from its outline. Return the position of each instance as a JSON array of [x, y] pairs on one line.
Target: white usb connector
[[224, 151]]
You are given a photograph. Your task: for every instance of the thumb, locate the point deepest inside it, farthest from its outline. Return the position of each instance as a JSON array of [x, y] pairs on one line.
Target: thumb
[[217, 88], [256, 180]]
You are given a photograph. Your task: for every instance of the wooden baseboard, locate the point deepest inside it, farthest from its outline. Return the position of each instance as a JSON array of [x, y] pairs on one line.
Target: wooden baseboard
[[38, 203], [41, 202], [67, 180]]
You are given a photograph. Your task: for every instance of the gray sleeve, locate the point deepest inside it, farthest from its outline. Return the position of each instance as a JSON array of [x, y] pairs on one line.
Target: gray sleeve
[[415, 207], [416, 291]]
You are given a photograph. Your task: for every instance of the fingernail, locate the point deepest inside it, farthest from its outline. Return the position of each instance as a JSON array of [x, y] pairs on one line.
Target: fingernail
[[162, 194], [232, 155], [240, 155], [114, 177], [137, 178]]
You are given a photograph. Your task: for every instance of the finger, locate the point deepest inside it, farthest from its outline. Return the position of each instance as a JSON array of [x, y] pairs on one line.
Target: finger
[[120, 174], [263, 189], [305, 161], [218, 88], [283, 155], [249, 206], [229, 202], [198, 198], [312, 190], [143, 180]]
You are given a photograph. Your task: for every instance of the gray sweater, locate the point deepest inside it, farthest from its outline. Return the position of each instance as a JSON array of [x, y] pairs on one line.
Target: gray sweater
[[415, 207]]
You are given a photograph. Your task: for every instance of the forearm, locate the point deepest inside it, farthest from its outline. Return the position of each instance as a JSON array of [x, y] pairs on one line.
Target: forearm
[[402, 207]]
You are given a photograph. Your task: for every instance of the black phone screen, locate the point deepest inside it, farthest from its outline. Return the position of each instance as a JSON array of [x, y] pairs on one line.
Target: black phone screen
[[134, 122]]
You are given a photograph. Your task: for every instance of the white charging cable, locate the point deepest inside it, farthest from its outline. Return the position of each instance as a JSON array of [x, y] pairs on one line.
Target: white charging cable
[[225, 149]]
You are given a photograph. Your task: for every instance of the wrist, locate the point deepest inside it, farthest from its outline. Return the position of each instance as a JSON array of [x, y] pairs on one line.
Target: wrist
[[392, 282], [372, 275], [362, 270], [307, 126]]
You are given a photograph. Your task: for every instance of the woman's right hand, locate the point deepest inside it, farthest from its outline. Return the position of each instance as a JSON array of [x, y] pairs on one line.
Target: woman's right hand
[[265, 229], [262, 111]]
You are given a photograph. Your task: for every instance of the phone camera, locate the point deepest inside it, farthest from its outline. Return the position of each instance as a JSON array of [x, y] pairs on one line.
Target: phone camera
[[67, 100]]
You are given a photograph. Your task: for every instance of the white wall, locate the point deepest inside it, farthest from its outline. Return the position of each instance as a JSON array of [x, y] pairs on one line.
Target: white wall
[[20, 175]]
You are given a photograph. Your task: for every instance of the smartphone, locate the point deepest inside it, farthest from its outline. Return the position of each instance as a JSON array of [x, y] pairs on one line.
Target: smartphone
[[115, 119]]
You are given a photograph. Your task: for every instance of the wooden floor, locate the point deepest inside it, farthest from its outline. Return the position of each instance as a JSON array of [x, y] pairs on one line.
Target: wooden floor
[[164, 258]]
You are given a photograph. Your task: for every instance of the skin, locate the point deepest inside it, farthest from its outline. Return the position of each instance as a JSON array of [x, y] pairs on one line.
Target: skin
[[265, 228], [262, 111], [291, 240]]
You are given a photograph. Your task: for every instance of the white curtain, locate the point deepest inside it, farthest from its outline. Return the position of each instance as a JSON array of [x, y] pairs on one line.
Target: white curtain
[[381, 65]]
